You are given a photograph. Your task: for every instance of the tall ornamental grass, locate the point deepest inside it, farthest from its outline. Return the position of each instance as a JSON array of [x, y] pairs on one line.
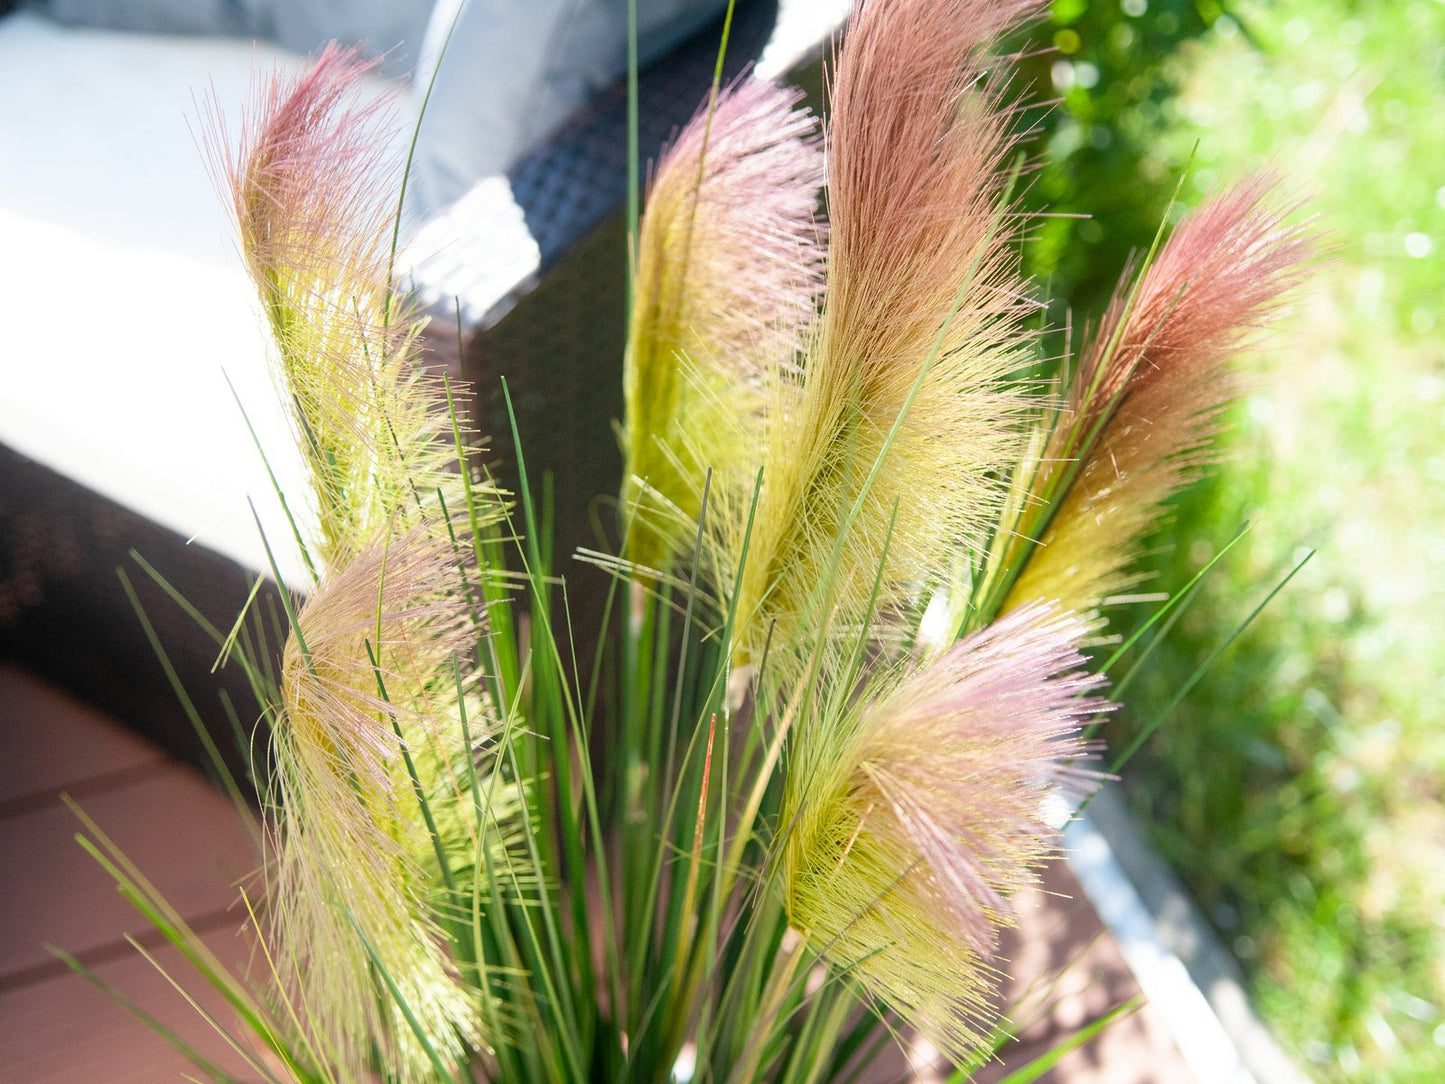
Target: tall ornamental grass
[[869, 535]]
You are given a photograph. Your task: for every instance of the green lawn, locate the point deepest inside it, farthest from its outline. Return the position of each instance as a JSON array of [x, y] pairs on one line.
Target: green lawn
[[1300, 791]]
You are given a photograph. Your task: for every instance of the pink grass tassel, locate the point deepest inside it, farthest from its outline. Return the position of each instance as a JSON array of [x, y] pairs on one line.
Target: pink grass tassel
[[729, 270], [1155, 379], [909, 832]]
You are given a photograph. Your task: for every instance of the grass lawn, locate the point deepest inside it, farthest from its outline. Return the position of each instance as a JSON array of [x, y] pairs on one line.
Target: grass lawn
[[1300, 791]]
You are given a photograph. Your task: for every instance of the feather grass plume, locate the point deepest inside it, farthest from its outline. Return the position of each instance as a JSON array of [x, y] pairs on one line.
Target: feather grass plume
[[369, 733], [912, 817], [904, 417], [727, 277], [373, 764], [1148, 397], [637, 883], [312, 186]]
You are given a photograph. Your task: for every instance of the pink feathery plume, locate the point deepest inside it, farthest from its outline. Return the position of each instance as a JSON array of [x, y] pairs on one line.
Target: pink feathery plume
[[1219, 277], [735, 206], [1155, 379], [910, 836], [369, 715], [917, 148], [728, 272], [313, 183], [399, 602], [906, 382], [307, 178]]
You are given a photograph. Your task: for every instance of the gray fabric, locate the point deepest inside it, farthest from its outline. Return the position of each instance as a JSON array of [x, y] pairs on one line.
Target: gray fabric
[[237, 18], [514, 69], [389, 30]]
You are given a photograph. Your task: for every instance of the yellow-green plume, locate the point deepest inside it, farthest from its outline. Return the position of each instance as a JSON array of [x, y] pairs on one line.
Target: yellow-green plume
[[374, 775], [313, 186], [919, 330], [912, 817], [356, 876], [727, 277], [1154, 380]]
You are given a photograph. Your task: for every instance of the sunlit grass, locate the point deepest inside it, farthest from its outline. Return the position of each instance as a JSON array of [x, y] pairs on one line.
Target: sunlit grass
[[1299, 792]]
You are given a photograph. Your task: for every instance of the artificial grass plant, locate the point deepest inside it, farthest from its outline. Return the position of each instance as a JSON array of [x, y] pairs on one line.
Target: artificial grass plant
[[864, 545]]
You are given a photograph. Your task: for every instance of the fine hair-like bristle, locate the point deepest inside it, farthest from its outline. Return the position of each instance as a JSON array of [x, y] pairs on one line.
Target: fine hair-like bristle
[[313, 187], [727, 279], [914, 817], [370, 754], [368, 679], [893, 439], [1155, 379]]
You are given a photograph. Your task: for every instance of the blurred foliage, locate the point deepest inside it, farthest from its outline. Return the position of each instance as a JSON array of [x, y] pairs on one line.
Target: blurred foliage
[[1108, 71], [1300, 789]]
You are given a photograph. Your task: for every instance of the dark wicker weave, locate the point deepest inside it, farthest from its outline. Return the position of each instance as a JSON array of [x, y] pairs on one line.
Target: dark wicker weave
[[63, 612]]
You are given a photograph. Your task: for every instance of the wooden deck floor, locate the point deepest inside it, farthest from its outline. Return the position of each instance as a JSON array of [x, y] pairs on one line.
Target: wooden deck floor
[[57, 1029], [54, 1026]]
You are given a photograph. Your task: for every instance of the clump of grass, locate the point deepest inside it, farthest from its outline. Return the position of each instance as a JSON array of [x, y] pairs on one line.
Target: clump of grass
[[799, 822]]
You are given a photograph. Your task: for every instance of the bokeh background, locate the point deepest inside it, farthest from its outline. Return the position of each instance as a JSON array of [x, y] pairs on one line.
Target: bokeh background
[[1299, 789]]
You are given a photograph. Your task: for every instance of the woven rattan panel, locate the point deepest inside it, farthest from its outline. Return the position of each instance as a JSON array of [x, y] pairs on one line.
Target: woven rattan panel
[[64, 613]]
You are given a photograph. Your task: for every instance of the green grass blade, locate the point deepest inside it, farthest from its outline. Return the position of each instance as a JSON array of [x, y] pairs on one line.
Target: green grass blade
[[145, 898], [1204, 667], [1174, 601], [171, 1037], [1086, 1034], [213, 753], [276, 488]]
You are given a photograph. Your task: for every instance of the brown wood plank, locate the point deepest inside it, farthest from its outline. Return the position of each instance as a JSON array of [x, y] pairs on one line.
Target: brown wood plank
[[184, 836], [65, 1031], [53, 742], [1063, 971]]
